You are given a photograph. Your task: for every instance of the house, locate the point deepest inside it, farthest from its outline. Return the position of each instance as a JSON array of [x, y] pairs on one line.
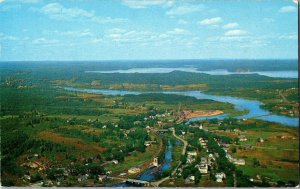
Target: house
[[203, 167], [220, 177], [192, 153], [242, 138], [190, 179], [211, 156], [115, 161], [225, 149], [27, 177], [134, 170], [102, 178], [202, 142], [261, 140], [238, 161], [83, 177], [190, 159], [147, 143], [155, 162]]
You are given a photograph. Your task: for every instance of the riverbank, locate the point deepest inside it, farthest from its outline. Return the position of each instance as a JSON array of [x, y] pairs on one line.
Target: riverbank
[[199, 113]]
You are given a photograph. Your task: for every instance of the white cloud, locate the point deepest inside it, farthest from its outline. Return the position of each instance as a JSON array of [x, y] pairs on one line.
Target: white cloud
[[231, 25], [235, 33], [22, 1], [140, 4], [287, 9], [82, 33], [210, 21], [177, 31], [58, 12], [117, 30], [288, 37], [105, 20], [44, 41], [186, 9]]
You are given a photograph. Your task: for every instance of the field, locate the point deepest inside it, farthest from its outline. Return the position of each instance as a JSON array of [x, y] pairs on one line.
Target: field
[[54, 137]]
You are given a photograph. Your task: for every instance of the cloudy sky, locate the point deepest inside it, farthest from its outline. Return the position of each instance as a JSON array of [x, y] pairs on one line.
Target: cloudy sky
[[141, 29]]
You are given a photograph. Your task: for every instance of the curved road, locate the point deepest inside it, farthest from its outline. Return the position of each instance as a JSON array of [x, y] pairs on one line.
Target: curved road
[[185, 143]]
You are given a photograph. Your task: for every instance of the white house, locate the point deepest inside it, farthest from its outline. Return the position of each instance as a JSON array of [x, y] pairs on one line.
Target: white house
[[220, 177]]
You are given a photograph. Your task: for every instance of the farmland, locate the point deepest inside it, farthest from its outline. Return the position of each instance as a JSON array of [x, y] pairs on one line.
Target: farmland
[[51, 136]]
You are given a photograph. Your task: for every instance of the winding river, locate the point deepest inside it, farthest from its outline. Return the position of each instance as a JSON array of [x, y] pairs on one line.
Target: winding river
[[253, 106]]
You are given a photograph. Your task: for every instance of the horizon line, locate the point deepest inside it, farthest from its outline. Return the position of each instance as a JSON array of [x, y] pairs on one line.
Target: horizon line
[[112, 60]]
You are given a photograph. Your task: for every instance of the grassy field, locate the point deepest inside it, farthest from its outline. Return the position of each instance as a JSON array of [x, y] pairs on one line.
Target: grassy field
[[278, 154]]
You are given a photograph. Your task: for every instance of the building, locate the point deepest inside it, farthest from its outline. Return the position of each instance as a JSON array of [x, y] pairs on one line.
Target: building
[[203, 167], [155, 162], [83, 177], [115, 161], [242, 138], [220, 177], [134, 170], [203, 142], [192, 153], [102, 178], [238, 161]]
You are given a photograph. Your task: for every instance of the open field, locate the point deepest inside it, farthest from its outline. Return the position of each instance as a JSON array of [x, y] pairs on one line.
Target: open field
[[56, 138]]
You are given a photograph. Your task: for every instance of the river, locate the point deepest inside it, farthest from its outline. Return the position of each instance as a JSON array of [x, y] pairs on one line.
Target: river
[[253, 106], [151, 173]]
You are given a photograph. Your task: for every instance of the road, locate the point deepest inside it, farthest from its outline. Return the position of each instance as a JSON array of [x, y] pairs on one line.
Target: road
[[283, 97], [185, 143]]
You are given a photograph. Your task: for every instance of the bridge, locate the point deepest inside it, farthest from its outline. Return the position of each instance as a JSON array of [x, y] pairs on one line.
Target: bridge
[[132, 181]]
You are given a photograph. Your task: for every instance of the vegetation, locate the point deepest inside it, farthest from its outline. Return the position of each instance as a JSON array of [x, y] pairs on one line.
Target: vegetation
[[54, 137]]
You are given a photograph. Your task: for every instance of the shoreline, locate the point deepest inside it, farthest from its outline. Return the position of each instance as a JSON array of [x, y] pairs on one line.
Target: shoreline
[[201, 113]]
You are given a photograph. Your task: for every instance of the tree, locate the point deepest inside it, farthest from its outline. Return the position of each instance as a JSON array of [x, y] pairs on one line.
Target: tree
[[183, 159], [255, 163], [197, 177]]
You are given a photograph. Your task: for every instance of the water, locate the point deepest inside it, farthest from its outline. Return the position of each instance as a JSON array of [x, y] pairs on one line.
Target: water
[[253, 106], [278, 74], [151, 173]]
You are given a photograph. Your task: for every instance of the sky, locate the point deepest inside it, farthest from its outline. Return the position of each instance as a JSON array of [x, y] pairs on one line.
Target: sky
[[148, 29]]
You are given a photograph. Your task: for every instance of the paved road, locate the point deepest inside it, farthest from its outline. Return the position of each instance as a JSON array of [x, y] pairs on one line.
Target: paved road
[[157, 183]]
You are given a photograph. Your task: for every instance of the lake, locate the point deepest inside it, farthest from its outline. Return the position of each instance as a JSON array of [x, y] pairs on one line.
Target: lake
[[253, 106], [278, 74]]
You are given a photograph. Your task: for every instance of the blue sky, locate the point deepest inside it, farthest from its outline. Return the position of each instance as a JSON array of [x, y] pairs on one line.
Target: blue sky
[[141, 29]]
